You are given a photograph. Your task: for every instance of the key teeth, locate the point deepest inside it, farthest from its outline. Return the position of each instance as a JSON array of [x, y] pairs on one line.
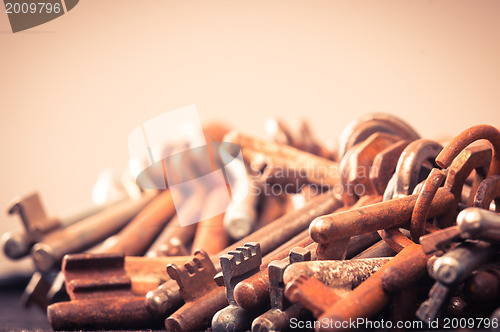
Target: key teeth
[[250, 251], [254, 248], [278, 265], [174, 272], [192, 267], [226, 258], [201, 255], [237, 256], [245, 252], [299, 254]]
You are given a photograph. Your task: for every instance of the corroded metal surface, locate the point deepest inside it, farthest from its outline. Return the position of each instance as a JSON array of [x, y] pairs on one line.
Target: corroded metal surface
[[337, 274], [384, 165], [199, 290], [312, 294], [457, 144], [113, 274], [370, 297], [236, 266], [483, 286], [360, 129], [136, 237], [487, 192], [278, 317], [107, 289], [253, 292], [374, 217], [356, 164], [283, 164], [86, 233], [423, 203], [97, 314], [165, 299], [210, 233]]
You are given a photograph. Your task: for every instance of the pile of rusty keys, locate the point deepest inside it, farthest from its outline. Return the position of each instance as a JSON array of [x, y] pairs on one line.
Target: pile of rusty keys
[[387, 226]]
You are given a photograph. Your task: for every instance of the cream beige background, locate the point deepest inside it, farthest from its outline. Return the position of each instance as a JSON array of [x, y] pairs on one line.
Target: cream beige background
[[73, 88]]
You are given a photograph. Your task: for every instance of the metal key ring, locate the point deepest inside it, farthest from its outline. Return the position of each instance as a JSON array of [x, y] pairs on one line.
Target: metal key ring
[[362, 128], [460, 142], [488, 190], [476, 157], [356, 163], [404, 180]]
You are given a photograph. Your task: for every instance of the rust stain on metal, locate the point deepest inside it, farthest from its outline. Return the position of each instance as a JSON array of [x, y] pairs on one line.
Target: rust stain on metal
[[338, 274]]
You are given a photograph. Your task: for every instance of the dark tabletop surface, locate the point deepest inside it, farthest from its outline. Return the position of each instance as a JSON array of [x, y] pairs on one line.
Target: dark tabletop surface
[[14, 317]]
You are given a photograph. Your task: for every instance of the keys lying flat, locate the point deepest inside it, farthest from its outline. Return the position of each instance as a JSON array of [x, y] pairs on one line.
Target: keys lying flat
[[37, 224], [165, 299], [86, 233], [371, 296]]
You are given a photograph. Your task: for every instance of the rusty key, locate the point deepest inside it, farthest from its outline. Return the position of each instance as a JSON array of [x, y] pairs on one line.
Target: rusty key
[[166, 298], [133, 239], [106, 287], [337, 274], [211, 235], [354, 168], [312, 294], [376, 216], [241, 214], [253, 292], [99, 314], [37, 224], [357, 162], [173, 239], [236, 266], [487, 192], [371, 295], [282, 164], [87, 232], [379, 216], [202, 296], [130, 241], [450, 270], [472, 223], [318, 285], [278, 317], [113, 274], [457, 144]]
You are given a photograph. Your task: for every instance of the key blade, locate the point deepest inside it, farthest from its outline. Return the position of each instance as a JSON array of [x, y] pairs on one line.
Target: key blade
[[438, 240], [431, 308]]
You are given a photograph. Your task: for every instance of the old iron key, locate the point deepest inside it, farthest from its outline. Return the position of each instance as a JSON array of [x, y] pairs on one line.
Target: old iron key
[[236, 266]]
